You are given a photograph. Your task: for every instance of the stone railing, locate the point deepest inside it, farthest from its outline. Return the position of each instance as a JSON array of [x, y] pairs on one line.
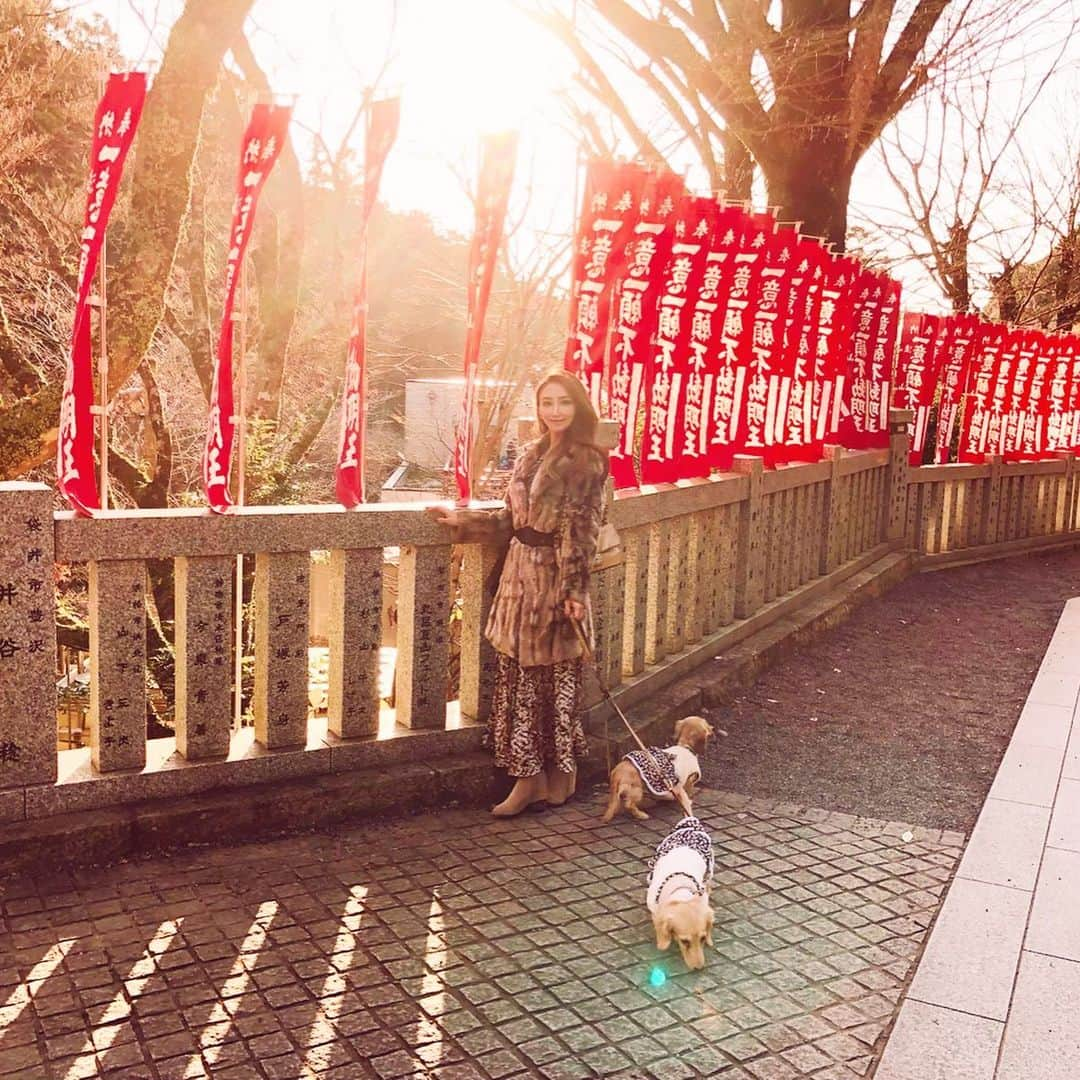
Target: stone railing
[[704, 565], [959, 513]]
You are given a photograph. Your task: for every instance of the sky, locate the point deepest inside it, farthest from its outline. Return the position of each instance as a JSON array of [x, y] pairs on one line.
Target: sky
[[461, 70], [466, 67]]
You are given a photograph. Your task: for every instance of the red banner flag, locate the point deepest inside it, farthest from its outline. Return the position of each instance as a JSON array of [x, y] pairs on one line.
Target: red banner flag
[[957, 345], [671, 363], [1003, 391], [349, 483], [868, 292], [1072, 441], [763, 340], [791, 436], [835, 327], [978, 400], [1054, 406], [610, 210], [115, 122], [1012, 428], [882, 362], [727, 234], [1032, 434], [916, 374], [265, 135], [497, 156], [734, 358], [637, 314]]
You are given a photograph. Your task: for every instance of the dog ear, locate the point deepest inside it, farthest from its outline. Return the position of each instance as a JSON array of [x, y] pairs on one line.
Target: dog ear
[[709, 728], [709, 919], [679, 725]]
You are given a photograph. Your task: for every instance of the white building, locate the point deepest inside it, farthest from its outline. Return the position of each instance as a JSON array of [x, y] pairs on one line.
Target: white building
[[432, 408]]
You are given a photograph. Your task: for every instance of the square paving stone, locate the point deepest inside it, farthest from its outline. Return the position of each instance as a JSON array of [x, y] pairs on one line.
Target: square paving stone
[[1006, 845], [1053, 927], [1042, 1038], [970, 961], [929, 1043]]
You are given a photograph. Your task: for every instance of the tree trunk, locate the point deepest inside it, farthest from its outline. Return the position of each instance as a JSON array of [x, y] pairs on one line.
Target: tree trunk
[[810, 183], [160, 183]]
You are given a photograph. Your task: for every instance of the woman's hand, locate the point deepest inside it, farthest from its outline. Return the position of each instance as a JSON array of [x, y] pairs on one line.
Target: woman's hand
[[574, 610], [443, 515]]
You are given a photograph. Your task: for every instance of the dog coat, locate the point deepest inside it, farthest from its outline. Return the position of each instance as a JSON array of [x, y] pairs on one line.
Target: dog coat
[[661, 770], [684, 859]]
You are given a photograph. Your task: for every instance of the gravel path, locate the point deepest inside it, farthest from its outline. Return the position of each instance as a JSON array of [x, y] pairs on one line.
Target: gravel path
[[904, 711]]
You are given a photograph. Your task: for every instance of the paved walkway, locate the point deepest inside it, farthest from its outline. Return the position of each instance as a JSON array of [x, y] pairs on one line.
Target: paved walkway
[[455, 946], [997, 992]]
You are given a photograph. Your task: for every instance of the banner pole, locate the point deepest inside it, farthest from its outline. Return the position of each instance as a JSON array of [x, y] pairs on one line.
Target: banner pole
[[103, 379], [361, 464], [241, 421], [103, 361]]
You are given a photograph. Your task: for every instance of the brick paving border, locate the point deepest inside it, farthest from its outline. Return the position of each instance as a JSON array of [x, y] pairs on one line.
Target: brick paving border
[[456, 946]]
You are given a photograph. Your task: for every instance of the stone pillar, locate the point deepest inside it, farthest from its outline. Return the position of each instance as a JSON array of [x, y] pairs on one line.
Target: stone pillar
[[896, 476], [992, 526], [699, 554], [656, 604], [727, 556], [356, 584], [204, 664], [423, 636], [835, 522], [282, 600], [479, 661], [118, 664], [751, 546], [679, 584], [616, 602], [1062, 519], [636, 548], [27, 636]]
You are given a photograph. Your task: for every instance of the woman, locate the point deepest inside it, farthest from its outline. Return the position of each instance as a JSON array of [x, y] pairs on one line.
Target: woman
[[551, 521]]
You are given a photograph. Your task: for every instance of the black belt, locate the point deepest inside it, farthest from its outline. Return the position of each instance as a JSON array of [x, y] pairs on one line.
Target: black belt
[[532, 538]]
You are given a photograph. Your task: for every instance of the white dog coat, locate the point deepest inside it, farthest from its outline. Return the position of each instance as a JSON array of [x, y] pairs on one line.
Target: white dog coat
[[684, 861], [661, 770]]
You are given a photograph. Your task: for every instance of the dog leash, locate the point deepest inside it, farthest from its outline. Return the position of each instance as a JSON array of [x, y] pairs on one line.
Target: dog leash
[[605, 693]]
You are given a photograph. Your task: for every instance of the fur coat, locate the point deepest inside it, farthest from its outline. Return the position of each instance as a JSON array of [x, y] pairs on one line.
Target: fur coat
[[565, 497]]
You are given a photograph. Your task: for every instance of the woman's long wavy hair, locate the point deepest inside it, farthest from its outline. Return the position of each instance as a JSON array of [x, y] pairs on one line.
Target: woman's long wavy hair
[[582, 429]]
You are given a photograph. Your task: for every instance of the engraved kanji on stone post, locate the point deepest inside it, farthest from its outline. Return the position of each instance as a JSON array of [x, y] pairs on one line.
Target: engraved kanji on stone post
[[27, 636]]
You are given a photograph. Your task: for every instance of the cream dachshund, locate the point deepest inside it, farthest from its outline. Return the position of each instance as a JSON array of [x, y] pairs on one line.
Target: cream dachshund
[[650, 774], [680, 877]]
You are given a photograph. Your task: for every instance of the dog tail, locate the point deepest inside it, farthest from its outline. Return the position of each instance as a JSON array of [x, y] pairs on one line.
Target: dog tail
[[623, 794]]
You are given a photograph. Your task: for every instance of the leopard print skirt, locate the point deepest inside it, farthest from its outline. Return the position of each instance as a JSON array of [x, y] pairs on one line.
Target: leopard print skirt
[[535, 717]]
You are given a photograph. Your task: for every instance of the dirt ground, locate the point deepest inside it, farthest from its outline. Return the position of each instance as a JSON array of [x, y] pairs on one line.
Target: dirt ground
[[904, 711]]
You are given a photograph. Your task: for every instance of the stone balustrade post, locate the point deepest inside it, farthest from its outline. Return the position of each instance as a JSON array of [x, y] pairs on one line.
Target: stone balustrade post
[[606, 588], [204, 655], [27, 636], [751, 545], [355, 634], [896, 477], [835, 522], [479, 661], [282, 600], [991, 526], [1064, 512], [423, 636], [117, 664]]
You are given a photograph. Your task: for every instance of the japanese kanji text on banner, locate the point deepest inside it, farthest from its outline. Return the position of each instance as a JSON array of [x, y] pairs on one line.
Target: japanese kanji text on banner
[[115, 122], [265, 135]]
